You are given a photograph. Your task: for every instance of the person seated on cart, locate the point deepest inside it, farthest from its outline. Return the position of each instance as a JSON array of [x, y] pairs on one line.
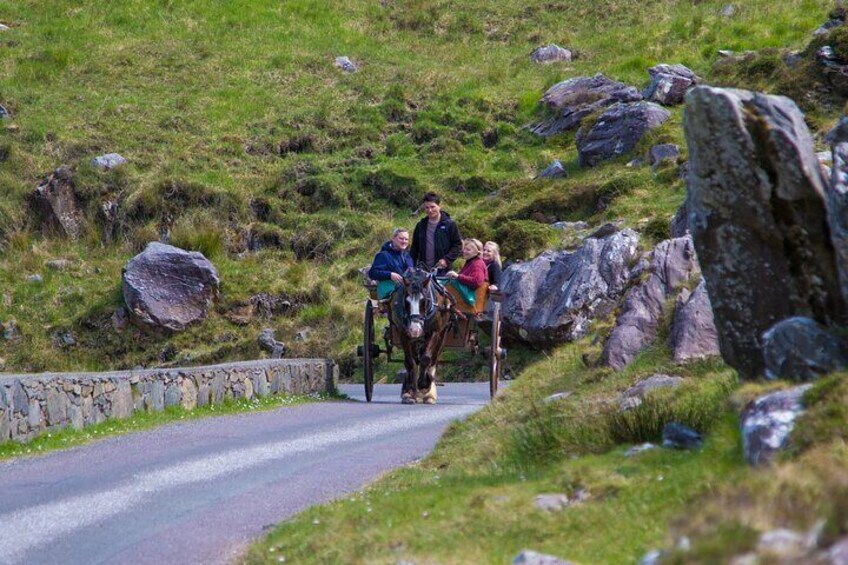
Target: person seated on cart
[[436, 242], [391, 263], [474, 272], [492, 257]]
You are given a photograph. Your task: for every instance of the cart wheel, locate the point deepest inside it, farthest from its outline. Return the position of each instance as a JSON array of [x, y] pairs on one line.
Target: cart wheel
[[368, 351], [495, 356]]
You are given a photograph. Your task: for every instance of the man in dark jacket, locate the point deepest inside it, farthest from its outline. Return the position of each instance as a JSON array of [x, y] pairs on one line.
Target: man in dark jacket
[[393, 260], [435, 241]]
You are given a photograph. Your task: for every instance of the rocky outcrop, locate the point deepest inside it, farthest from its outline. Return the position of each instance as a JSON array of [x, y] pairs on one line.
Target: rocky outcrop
[[679, 436], [680, 222], [167, 287], [617, 131], [268, 341], [553, 171], [56, 203], [346, 65], [693, 332], [553, 298], [757, 213], [33, 404], [108, 161], [552, 53], [669, 84], [767, 422], [836, 201], [799, 349], [673, 262], [574, 99], [663, 153]]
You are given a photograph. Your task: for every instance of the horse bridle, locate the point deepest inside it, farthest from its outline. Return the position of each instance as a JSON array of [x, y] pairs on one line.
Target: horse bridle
[[416, 285]]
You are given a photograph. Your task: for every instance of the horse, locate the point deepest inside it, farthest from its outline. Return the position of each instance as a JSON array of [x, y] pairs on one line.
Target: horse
[[422, 313]]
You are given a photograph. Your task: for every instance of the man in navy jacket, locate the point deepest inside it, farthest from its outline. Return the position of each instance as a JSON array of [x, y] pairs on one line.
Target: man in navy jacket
[[393, 259], [436, 241]]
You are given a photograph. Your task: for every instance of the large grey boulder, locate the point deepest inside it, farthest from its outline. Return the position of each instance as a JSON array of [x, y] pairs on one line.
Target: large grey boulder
[[617, 131], [757, 216], [799, 349], [553, 298], [767, 422], [55, 201], [574, 99], [673, 262], [669, 84], [693, 332], [170, 288], [836, 201]]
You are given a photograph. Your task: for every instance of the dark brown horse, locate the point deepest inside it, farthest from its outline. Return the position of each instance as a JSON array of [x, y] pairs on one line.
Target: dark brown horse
[[422, 314]]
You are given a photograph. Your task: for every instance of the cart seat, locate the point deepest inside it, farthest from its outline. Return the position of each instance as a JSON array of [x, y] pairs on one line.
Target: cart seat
[[480, 296]]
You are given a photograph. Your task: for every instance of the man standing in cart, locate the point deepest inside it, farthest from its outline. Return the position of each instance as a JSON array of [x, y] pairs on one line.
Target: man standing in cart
[[436, 242]]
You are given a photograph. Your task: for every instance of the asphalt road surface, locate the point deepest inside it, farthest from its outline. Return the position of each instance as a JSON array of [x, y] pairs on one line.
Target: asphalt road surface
[[200, 492]]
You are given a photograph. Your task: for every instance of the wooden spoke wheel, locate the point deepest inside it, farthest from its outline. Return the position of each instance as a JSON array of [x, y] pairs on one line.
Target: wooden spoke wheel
[[368, 351], [496, 353]]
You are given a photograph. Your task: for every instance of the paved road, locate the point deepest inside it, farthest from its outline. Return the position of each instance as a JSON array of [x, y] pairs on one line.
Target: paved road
[[199, 492]]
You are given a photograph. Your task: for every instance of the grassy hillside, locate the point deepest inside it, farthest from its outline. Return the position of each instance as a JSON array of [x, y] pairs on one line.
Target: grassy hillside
[[246, 143], [238, 128]]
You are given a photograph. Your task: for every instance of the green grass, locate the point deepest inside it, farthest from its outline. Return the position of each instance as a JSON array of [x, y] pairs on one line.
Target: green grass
[[140, 421], [473, 499], [238, 128], [245, 143]]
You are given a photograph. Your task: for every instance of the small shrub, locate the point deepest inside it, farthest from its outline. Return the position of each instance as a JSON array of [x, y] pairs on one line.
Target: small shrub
[[394, 107], [262, 235], [697, 404], [657, 228], [320, 191], [521, 239], [171, 198], [399, 145], [426, 130], [140, 236], [297, 143], [199, 233], [401, 190], [573, 203], [826, 415], [476, 184]]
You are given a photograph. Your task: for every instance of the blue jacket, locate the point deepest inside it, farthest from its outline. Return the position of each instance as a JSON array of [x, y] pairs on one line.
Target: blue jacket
[[389, 260]]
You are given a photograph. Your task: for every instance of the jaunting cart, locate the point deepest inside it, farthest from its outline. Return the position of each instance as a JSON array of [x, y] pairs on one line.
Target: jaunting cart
[[464, 337]]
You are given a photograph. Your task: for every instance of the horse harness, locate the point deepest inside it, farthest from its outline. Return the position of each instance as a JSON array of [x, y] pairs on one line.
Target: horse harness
[[399, 316]]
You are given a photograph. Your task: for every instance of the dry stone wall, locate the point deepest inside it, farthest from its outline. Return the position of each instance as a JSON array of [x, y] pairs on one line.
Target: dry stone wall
[[33, 404]]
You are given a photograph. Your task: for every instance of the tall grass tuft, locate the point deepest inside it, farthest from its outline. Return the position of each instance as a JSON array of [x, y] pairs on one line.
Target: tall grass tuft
[[697, 404]]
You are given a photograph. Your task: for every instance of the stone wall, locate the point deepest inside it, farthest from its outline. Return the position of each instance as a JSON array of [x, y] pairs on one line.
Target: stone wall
[[33, 404]]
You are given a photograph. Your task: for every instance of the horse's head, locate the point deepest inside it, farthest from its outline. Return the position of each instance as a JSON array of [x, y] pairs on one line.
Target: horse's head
[[418, 301]]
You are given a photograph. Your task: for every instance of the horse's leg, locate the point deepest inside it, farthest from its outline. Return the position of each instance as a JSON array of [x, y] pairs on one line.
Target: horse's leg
[[427, 378], [421, 377], [409, 390]]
